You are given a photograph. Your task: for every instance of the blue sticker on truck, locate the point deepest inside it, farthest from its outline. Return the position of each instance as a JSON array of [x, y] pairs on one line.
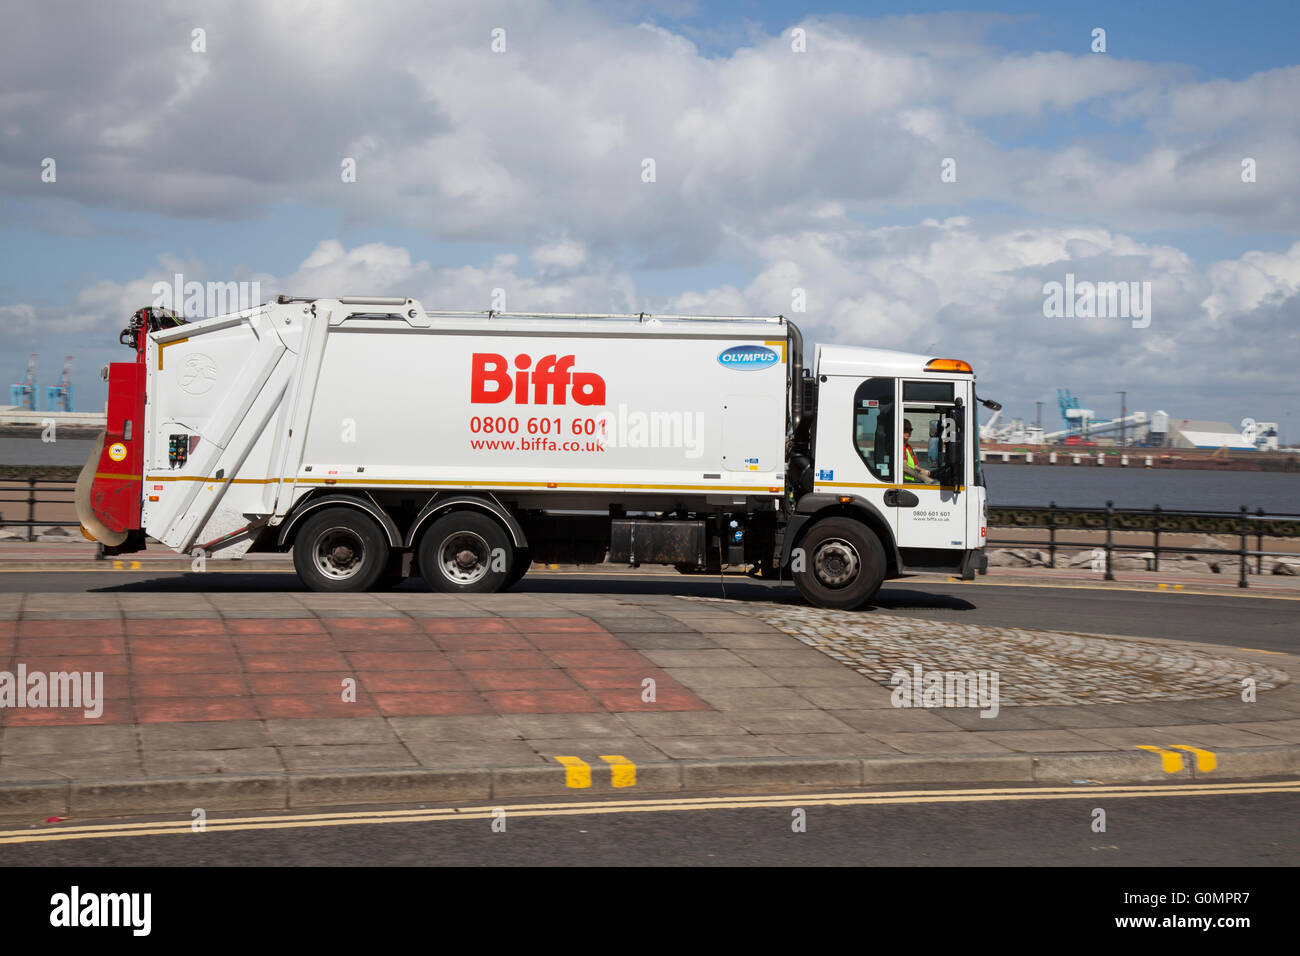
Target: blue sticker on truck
[[748, 357]]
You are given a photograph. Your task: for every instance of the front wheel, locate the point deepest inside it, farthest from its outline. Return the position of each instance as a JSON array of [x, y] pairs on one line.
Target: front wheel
[[839, 563], [340, 549], [467, 553]]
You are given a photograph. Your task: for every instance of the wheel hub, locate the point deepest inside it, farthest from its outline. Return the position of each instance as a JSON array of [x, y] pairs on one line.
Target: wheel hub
[[339, 553], [836, 563], [463, 557]]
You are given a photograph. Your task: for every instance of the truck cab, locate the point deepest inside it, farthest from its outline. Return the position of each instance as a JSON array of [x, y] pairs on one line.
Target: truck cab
[[893, 481]]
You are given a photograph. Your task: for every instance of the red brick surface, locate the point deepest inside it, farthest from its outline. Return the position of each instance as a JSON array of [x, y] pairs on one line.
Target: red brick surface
[[165, 670]]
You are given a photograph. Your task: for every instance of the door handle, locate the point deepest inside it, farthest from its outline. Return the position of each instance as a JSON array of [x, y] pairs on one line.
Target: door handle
[[898, 498]]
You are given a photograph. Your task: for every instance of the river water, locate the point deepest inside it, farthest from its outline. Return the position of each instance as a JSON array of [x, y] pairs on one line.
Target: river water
[[33, 451], [1090, 486]]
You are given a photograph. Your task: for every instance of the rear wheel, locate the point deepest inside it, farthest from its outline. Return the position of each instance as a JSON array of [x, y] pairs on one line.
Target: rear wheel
[[340, 549], [393, 575], [841, 564], [523, 561], [466, 552]]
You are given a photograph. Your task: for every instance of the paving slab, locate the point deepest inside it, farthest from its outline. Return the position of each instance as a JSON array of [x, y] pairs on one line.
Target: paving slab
[[232, 701], [240, 760], [474, 753]]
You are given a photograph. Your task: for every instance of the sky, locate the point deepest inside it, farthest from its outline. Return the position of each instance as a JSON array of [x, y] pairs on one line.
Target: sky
[[912, 176]]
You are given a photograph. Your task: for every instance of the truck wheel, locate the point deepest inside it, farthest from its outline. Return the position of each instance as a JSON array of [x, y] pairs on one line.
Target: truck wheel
[[392, 576], [340, 549], [523, 561], [843, 564], [466, 552]]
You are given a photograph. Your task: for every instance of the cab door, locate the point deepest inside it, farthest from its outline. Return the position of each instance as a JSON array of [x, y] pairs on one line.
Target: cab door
[[932, 496], [857, 449]]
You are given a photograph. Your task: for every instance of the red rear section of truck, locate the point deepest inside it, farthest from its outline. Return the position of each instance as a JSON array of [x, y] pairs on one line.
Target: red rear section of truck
[[116, 486]]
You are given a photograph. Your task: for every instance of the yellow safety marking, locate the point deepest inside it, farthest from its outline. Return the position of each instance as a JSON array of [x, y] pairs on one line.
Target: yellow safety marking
[[1205, 759], [1171, 761], [909, 486], [779, 344], [122, 565], [1164, 587], [163, 345], [548, 485], [115, 477], [622, 772], [653, 805], [577, 773], [350, 481]]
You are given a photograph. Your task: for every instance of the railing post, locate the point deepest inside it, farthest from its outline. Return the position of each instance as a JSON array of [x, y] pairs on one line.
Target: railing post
[[1051, 533], [1241, 582], [1109, 522], [1156, 549], [31, 509], [1259, 541]]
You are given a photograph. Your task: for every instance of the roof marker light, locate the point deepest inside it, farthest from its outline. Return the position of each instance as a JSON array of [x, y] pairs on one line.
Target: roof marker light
[[948, 365]]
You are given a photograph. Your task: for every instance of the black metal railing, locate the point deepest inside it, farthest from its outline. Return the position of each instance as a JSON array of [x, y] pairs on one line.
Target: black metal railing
[[1242, 524], [24, 491]]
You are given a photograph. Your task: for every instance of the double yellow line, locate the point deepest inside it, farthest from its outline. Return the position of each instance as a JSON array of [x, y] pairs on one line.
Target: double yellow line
[[661, 805]]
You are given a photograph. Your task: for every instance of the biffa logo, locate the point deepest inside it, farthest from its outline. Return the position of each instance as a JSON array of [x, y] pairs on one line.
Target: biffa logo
[[551, 380]]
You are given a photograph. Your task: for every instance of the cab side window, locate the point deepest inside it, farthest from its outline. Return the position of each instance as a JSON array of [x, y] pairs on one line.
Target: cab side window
[[937, 440], [873, 426]]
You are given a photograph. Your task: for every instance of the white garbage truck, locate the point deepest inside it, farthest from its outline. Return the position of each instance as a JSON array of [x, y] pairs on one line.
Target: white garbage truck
[[377, 440]]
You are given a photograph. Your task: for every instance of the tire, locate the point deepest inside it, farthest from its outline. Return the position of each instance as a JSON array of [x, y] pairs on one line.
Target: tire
[[844, 564], [466, 552], [340, 549], [392, 576], [523, 561]]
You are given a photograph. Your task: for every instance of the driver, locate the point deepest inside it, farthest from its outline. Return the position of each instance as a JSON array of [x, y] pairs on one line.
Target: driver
[[911, 471]]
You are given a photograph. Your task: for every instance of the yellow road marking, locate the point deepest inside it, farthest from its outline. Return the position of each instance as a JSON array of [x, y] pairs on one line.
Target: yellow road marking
[[122, 565], [622, 772], [1205, 759], [657, 805], [1066, 585], [577, 773], [1170, 761]]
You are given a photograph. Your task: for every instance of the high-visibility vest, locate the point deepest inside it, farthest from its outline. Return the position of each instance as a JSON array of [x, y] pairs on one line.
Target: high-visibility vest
[[909, 460]]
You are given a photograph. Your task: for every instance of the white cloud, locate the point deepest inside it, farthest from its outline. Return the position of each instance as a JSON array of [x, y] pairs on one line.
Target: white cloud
[[549, 136]]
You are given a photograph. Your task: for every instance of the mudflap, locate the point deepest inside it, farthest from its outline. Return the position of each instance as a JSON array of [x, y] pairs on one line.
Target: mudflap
[[134, 542], [972, 561]]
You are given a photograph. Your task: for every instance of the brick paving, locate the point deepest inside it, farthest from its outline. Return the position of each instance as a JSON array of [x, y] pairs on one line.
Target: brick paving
[[163, 670], [202, 686]]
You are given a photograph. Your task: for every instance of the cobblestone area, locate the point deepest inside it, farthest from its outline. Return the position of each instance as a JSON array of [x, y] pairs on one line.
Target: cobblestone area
[[1034, 667]]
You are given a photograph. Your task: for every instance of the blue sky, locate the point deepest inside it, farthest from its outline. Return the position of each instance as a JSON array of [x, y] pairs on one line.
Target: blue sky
[[520, 171]]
